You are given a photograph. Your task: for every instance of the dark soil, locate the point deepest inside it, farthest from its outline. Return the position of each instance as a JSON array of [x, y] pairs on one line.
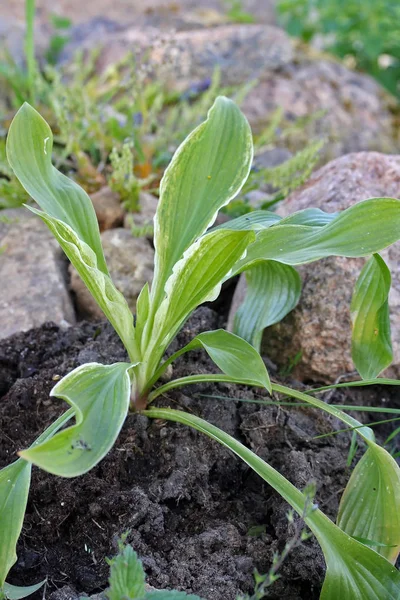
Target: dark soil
[[190, 506]]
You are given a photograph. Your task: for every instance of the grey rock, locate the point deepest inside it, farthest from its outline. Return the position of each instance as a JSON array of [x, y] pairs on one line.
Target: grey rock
[[33, 274], [320, 325], [130, 262]]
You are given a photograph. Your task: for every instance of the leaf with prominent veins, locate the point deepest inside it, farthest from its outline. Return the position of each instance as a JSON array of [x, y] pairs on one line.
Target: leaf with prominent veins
[[206, 172], [196, 278], [100, 395]]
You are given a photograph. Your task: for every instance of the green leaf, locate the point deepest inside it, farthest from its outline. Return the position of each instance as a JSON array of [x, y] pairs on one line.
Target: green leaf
[[100, 285], [29, 149], [69, 214], [127, 577], [362, 229], [371, 346], [369, 507], [354, 571], [256, 221], [273, 290], [234, 356], [169, 595], [100, 396], [15, 592], [142, 310], [14, 489], [312, 217], [206, 172], [197, 278]]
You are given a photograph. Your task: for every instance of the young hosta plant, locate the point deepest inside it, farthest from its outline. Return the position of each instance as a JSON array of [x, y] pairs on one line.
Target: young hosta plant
[[191, 263]]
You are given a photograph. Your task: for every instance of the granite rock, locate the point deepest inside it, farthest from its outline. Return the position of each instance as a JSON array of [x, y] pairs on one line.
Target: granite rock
[[320, 325], [34, 275]]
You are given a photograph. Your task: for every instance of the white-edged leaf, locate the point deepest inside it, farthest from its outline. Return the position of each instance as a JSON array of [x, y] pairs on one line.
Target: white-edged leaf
[[100, 285], [273, 290], [360, 230], [196, 278], [14, 489], [371, 346], [369, 507], [206, 172], [234, 356], [100, 396], [16, 592], [354, 571], [68, 212], [29, 150]]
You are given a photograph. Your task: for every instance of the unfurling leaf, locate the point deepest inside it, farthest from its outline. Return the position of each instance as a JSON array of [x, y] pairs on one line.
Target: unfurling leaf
[[371, 344], [273, 290], [100, 396]]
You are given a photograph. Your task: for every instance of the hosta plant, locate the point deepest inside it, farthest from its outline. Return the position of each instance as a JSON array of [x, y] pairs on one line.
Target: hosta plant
[[192, 260]]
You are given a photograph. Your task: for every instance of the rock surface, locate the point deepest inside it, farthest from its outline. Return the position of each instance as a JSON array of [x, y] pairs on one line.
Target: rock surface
[[320, 325], [353, 112], [33, 275], [357, 114], [108, 207], [130, 262]]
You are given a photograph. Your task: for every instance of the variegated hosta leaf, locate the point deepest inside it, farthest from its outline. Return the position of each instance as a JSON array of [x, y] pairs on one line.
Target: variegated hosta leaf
[[29, 149], [273, 290], [142, 311], [206, 172], [16, 592], [14, 488], [69, 213], [100, 285], [196, 278], [371, 346], [100, 396], [256, 221], [312, 217], [234, 356], [362, 229], [369, 508], [354, 571]]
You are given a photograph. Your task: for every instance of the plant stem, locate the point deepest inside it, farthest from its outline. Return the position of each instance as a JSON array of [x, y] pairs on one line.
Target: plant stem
[[188, 380], [30, 48]]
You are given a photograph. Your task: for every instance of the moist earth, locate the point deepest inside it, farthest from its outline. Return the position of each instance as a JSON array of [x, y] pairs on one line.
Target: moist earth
[[198, 517]]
